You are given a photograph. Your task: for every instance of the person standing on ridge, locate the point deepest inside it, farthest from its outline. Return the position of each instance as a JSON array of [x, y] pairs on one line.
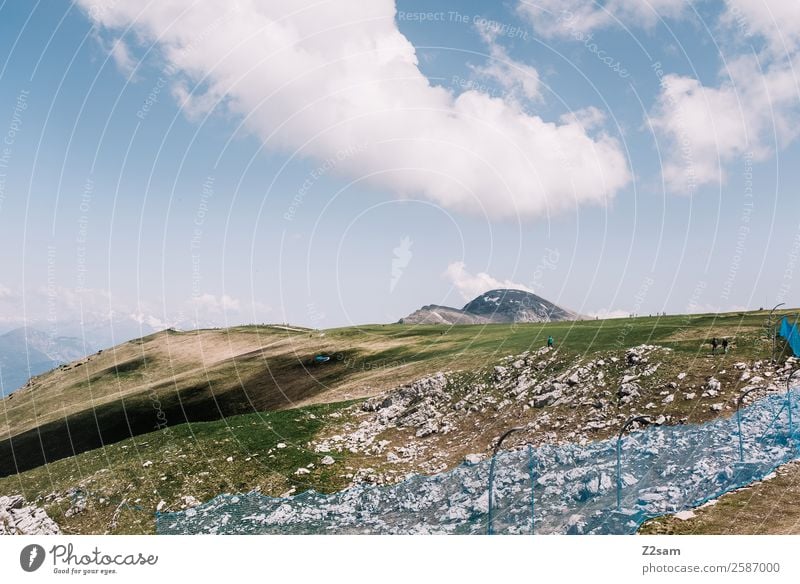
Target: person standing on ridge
[[725, 345], [714, 344], [550, 341]]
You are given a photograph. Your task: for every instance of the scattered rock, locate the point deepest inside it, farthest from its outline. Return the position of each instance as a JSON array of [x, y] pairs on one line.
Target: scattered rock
[[576, 524], [597, 425], [628, 392], [712, 388], [546, 399], [684, 515]]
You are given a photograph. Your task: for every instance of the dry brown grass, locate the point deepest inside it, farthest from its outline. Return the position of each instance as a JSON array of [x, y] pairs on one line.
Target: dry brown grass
[[764, 508]]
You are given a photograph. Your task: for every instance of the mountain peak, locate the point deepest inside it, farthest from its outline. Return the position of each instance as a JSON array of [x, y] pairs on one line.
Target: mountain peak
[[495, 306]]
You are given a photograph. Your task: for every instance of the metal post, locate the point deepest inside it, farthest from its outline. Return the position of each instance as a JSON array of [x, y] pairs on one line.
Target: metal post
[[789, 403], [490, 526], [619, 455], [739, 419], [772, 328]]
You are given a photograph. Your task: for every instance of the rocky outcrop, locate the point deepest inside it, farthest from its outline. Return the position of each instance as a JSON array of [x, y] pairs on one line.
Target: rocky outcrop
[[553, 396], [17, 518], [435, 314]]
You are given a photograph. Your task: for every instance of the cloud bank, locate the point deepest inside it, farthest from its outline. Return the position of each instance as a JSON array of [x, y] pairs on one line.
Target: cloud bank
[[319, 79], [753, 109]]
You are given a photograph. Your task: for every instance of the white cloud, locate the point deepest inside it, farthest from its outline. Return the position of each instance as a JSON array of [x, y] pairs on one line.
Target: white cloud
[[122, 57], [776, 21], [588, 117], [706, 127], [754, 109], [209, 310], [519, 80], [328, 78], [118, 50], [211, 303], [570, 17], [150, 320], [472, 285], [73, 309], [702, 126]]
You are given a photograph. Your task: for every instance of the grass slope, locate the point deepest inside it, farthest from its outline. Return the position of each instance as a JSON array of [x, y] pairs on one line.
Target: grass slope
[[116, 489], [237, 393], [172, 378]]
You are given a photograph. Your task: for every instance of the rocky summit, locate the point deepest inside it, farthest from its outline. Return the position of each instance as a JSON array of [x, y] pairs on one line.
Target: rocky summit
[[495, 306]]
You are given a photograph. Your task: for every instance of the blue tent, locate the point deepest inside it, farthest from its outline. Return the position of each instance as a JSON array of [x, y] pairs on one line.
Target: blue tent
[[792, 335]]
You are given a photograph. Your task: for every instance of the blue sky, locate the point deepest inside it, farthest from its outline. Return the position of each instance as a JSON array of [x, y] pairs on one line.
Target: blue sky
[[121, 197]]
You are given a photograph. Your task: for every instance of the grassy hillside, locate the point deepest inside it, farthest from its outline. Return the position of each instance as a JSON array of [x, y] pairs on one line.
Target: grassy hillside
[[117, 489], [245, 408], [171, 377]]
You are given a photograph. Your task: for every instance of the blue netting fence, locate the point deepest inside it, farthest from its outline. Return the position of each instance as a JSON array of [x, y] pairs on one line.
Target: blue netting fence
[[552, 489], [790, 332]]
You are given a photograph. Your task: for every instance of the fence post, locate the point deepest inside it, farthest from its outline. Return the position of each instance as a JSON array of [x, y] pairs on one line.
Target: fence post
[[490, 526], [773, 329], [789, 403]]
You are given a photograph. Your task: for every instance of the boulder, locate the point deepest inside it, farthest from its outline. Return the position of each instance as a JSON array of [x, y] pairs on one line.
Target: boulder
[[473, 459], [555, 393]]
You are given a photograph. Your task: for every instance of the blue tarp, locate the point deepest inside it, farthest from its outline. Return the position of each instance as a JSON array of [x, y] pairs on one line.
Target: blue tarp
[[665, 469], [792, 335]]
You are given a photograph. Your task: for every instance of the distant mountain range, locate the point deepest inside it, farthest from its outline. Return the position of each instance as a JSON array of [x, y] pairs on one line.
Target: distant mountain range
[[25, 352], [495, 306]]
